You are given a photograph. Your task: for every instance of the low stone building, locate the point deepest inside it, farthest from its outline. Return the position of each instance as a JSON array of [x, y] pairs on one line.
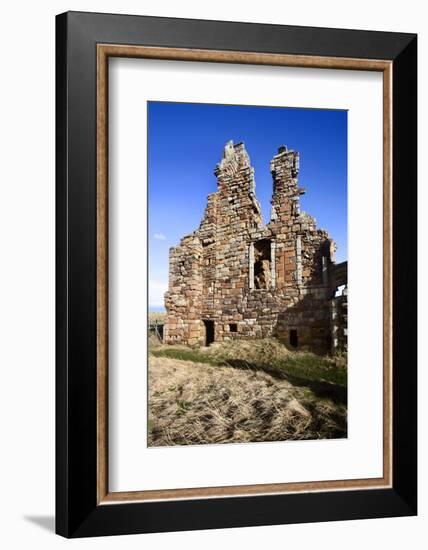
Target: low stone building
[[235, 277]]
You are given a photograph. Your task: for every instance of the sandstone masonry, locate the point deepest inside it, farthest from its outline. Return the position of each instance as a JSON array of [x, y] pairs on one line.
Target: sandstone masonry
[[237, 278]]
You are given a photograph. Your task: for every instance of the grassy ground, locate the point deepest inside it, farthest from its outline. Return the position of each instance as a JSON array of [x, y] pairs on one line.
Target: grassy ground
[[157, 317], [244, 391], [267, 355]]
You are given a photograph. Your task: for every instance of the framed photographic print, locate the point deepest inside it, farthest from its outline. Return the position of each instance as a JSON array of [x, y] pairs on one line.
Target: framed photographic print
[[236, 274]]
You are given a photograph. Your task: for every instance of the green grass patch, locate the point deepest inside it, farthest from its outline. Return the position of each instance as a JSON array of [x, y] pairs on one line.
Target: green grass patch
[[313, 368], [298, 366], [186, 355]]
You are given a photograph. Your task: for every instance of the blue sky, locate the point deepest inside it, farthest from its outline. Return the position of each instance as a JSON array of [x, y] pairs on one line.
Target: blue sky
[[186, 141]]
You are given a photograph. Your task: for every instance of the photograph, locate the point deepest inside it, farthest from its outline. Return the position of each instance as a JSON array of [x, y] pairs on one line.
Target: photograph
[[247, 273]]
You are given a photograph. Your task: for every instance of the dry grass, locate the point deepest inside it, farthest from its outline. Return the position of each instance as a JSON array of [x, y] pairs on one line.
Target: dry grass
[[268, 355], [157, 317], [252, 351], [200, 402]]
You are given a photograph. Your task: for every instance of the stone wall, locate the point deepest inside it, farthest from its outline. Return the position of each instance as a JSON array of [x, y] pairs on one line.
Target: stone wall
[[243, 279]]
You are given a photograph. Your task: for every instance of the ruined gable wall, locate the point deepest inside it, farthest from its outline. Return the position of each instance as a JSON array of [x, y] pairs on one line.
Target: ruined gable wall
[[212, 271], [238, 213], [303, 256], [219, 273]]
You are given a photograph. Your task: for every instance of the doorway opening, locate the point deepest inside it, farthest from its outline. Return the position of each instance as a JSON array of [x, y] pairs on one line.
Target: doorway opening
[[293, 338], [209, 332]]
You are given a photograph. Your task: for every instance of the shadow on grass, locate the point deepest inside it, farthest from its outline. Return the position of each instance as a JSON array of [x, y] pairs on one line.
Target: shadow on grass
[[310, 376], [321, 388]]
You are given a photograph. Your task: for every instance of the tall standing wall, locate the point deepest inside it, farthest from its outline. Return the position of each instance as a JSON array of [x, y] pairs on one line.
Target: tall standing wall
[[248, 279]]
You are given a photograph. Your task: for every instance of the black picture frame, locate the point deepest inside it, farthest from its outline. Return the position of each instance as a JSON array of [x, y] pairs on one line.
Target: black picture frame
[[77, 511]]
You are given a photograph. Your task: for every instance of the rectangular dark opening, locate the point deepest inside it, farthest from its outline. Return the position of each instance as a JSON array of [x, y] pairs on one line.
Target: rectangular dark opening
[[159, 332], [293, 338], [233, 327], [328, 342], [262, 264], [209, 332], [156, 330]]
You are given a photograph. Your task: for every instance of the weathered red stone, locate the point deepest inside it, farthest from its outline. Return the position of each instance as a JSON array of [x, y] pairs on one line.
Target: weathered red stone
[[277, 279]]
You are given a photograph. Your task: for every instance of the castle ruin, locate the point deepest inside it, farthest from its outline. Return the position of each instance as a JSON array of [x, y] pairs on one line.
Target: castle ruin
[[237, 278]]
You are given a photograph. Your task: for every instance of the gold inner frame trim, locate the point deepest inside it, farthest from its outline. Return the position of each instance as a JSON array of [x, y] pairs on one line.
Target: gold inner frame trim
[[104, 51]]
